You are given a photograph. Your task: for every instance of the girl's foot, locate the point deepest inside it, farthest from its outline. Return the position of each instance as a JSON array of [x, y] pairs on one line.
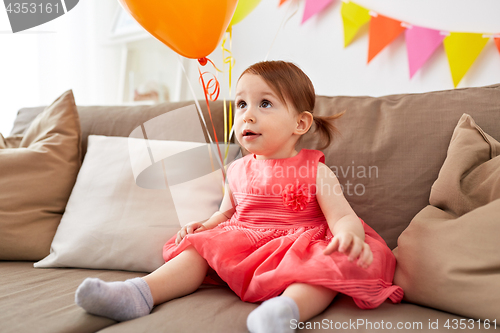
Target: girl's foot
[[274, 316], [116, 300]]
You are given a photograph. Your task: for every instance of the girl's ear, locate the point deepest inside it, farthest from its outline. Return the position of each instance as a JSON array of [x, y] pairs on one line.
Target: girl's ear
[[304, 122]]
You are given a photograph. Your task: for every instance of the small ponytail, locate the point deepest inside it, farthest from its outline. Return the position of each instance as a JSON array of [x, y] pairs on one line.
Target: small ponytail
[[326, 128]]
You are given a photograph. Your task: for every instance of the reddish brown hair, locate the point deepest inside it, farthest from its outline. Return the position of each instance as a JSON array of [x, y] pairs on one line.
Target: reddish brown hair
[[294, 88]]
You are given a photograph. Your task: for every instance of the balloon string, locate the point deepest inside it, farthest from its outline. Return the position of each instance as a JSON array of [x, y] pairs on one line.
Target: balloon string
[[232, 62], [283, 22], [206, 93], [212, 87], [229, 59], [203, 61], [200, 114], [225, 119]]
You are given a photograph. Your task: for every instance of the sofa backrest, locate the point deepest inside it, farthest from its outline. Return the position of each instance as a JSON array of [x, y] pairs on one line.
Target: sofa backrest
[[122, 120], [387, 156]]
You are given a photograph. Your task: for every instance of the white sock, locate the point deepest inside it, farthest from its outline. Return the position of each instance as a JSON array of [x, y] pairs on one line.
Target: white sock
[[273, 316], [116, 300]]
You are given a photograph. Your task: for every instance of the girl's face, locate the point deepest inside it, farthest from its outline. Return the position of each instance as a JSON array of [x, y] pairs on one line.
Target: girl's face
[[275, 126]]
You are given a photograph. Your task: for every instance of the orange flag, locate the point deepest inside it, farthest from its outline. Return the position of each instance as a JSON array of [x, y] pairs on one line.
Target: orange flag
[[383, 30], [497, 41], [282, 2]]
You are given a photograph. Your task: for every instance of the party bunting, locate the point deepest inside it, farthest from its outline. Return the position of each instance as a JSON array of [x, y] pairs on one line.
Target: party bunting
[[383, 30], [354, 17], [420, 45], [313, 7], [462, 49]]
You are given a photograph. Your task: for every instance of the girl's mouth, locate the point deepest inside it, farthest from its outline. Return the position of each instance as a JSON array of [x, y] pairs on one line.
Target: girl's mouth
[[250, 136]]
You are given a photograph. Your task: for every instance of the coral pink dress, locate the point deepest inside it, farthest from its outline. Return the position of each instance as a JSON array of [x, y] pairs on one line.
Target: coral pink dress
[[278, 233]]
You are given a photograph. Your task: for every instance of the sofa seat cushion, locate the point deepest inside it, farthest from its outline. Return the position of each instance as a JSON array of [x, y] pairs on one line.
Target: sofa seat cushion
[[42, 300]]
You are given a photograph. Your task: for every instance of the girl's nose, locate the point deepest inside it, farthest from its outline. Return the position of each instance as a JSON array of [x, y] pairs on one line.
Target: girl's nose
[[249, 117], [249, 120]]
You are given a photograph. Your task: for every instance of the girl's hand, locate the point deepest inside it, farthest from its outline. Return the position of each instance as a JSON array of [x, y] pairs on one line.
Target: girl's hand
[[190, 228], [352, 246]]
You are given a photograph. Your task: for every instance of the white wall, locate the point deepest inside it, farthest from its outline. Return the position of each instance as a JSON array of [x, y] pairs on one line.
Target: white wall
[[18, 67], [39, 64], [38, 67]]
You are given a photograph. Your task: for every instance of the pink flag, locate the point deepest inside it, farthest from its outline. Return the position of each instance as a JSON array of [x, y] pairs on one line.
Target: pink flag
[[421, 44], [313, 7]]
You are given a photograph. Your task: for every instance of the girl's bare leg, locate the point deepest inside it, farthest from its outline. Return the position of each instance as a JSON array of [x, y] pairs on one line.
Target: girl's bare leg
[[311, 299], [179, 276]]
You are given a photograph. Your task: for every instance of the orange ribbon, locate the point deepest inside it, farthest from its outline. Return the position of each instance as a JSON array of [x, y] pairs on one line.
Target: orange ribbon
[[212, 87], [212, 83]]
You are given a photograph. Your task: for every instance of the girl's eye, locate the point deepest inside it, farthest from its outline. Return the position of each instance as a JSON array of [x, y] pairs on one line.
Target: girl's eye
[[241, 105], [265, 104]]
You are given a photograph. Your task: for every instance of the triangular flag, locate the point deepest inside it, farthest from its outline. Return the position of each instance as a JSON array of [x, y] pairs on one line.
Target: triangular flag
[[354, 17], [383, 30], [313, 7], [421, 44], [462, 49], [282, 2], [497, 41]]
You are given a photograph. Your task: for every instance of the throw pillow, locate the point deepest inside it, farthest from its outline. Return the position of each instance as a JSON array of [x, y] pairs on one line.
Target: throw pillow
[[37, 173], [112, 223], [12, 141], [447, 258]]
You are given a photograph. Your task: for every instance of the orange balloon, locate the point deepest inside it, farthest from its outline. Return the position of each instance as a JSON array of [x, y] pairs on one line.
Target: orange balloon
[[192, 28]]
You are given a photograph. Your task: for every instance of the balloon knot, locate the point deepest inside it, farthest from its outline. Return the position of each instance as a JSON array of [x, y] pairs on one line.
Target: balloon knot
[[202, 61]]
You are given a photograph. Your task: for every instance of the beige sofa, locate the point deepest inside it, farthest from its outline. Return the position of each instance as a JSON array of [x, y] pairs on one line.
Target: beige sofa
[[388, 156]]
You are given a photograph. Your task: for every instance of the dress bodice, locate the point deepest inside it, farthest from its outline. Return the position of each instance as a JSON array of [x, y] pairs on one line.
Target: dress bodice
[[277, 191]]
